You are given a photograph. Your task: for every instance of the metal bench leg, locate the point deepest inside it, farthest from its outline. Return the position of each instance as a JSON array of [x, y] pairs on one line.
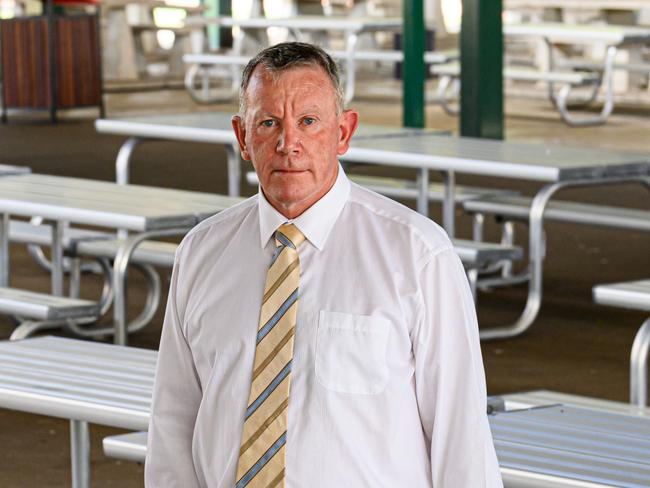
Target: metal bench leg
[[448, 89], [449, 202], [80, 454], [422, 184], [478, 222], [350, 74], [535, 265], [561, 99], [26, 329], [123, 160], [4, 249], [234, 169], [639, 366], [507, 239], [152, 300], [472, 277], [120, 267]]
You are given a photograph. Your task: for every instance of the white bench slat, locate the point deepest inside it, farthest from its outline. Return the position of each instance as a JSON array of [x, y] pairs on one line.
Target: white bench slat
[[130, 447], [155, 253], [515, 207], [223, 59], [478, 254], [27, 233], [404, 188], [525, 74], [41, 306], [432, 57], [631, 294], [538, 398]]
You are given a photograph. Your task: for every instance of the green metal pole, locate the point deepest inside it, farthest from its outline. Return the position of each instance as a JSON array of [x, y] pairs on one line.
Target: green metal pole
[[212, 10], [413, 69], [481, 57], [224, 7]]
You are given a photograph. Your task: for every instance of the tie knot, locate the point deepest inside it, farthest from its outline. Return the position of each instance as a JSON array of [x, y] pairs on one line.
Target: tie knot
[[289, 235]]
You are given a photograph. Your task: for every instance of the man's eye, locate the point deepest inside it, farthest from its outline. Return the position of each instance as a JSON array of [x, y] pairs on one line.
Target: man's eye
[[268, 123], [308, 120]]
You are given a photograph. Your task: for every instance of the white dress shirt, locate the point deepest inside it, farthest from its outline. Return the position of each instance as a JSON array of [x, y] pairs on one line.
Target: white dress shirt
[[387, 383]]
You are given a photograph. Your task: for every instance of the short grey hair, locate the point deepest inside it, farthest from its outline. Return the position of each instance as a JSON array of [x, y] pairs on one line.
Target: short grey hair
[[287, 55]]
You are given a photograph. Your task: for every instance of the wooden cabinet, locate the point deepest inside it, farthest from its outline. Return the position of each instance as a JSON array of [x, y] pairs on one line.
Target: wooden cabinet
[[50, 62]]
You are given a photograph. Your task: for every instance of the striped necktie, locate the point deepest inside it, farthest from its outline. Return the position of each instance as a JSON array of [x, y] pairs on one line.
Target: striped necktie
[[262, 453]]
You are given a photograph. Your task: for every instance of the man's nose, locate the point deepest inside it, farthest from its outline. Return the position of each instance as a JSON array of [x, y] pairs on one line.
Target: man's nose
[[289, 140]]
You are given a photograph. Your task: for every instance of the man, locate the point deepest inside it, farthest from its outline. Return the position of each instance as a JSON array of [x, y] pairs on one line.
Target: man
[[317, 334]]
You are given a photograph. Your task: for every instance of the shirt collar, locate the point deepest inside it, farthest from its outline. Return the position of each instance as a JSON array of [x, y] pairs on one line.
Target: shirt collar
[[316, 222]]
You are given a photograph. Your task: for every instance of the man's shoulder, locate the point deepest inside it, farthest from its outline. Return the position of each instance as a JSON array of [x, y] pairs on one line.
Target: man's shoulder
[[399, 218], [219, 226]]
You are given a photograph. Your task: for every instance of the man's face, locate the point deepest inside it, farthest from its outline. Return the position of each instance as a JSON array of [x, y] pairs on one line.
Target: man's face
[[292, 134]]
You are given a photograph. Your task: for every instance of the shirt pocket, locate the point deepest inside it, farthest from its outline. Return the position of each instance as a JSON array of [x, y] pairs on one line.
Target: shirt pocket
[[351, 352]]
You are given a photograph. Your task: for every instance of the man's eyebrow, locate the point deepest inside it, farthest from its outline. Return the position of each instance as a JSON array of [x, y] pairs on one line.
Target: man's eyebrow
[[311, 109]]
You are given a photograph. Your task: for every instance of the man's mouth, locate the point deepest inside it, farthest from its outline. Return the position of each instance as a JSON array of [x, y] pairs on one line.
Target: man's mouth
[[289, 171]]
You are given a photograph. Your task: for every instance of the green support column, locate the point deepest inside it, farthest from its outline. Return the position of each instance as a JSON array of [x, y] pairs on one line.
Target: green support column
[[481, 57], [413, 69], [223, 37], [212, 10]]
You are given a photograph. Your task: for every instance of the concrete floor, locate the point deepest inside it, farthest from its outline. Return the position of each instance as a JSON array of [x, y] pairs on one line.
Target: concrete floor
[[574, 346]]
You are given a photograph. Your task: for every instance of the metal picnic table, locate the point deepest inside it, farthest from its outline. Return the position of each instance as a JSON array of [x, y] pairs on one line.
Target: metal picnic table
[[81, 381], [351, 27], [89, 382], [558, 167], [613, 37], [207, 127], [146, 211]]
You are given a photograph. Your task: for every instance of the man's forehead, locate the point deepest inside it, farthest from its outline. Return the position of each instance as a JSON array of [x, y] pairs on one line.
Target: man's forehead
[[300, 76]]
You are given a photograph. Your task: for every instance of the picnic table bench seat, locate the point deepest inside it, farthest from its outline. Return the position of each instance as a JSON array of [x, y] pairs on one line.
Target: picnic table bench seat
[[91, 243], [633, 295], [449, 75], [42, 306], [521, 73], [432, 57], [510, 207], [41, 310], [129, 447], [154, 253], [23, 232], [405, 188]]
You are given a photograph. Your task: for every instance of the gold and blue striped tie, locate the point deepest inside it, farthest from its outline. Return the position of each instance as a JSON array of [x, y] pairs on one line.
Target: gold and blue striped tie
[[262, 453]]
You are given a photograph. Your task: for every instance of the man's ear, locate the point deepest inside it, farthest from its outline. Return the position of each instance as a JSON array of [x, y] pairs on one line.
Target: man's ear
[[240, 133], [348, 122]]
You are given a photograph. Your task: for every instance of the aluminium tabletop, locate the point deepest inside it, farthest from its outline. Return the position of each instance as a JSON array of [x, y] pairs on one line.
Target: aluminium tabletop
[[539, 162], [82, 380], [214, 127], [562, 443], [92, 202]]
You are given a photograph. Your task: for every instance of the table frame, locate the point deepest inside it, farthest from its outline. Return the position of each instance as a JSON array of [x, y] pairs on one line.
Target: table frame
[[351, 27], [448, 166], [614, 37], [178, 226]]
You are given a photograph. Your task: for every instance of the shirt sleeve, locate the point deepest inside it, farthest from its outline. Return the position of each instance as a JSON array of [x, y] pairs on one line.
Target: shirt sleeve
[[176, 399], [450, 380]]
